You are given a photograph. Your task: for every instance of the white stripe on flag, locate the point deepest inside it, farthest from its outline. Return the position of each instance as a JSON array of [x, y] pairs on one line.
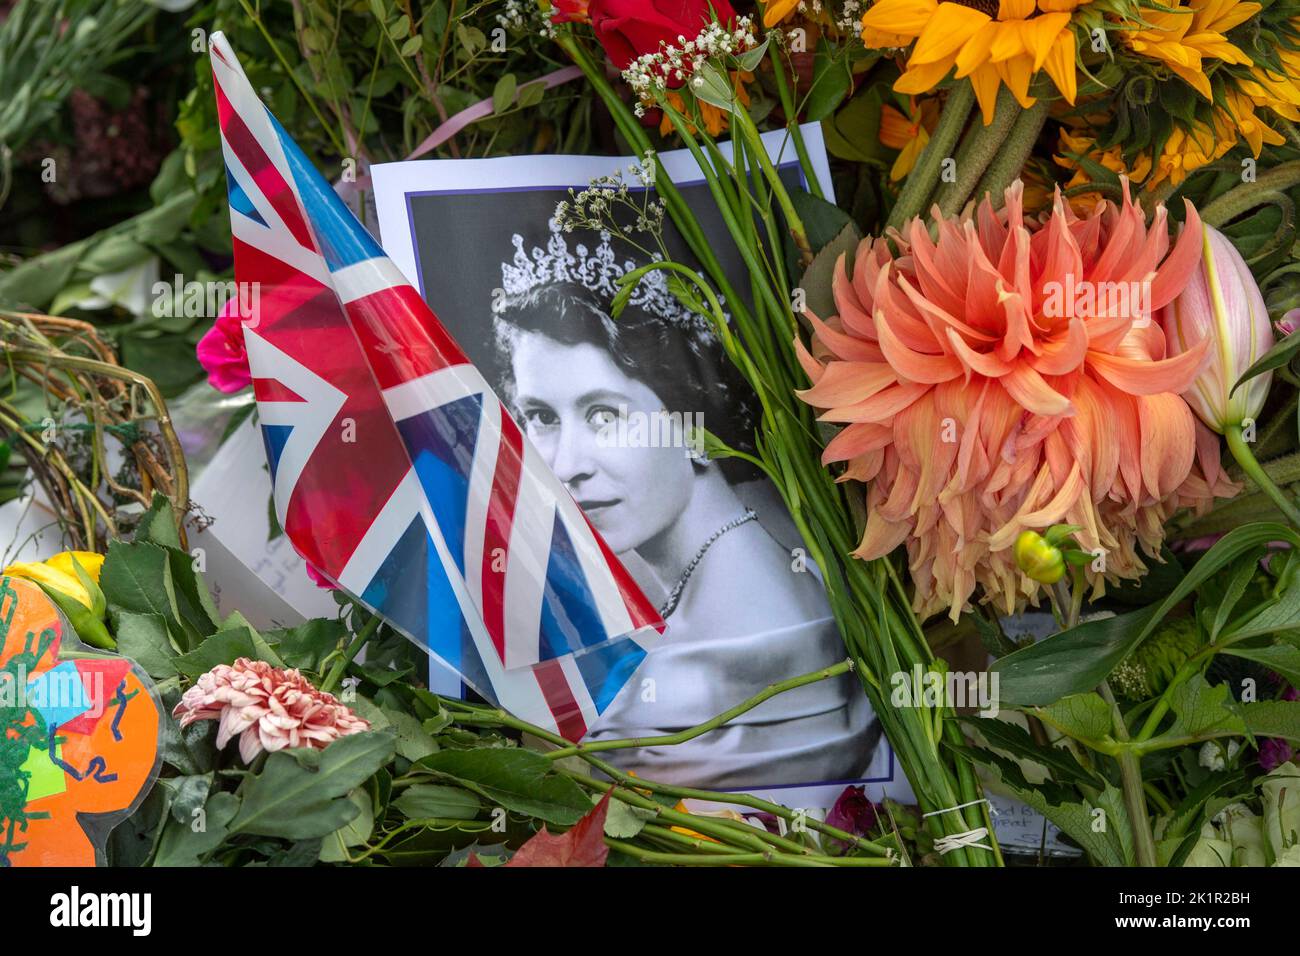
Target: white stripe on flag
[[366, 278], [423, 394], [310, 418], [530, 552], [578, 687], [393, 520], [243, 98], [517, 690], [486, 448]]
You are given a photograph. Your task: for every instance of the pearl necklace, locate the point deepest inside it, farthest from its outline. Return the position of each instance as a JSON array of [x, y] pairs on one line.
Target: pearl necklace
[[675, 594]]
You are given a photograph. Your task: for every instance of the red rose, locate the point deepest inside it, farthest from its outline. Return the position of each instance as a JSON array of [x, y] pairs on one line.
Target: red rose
[[628, 29]]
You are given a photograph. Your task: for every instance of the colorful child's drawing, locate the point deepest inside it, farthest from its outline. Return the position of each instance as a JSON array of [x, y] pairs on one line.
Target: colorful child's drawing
[[79, 735]]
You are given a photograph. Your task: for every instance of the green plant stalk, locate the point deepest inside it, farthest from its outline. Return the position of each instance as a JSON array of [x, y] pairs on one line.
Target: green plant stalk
[[979, 147], [1131, 777], [1010, 160], [478, 715], [340, 667], [923, 178], [786, 96], [1250, 465], [690, 733], [741, 859], [1247, 196]]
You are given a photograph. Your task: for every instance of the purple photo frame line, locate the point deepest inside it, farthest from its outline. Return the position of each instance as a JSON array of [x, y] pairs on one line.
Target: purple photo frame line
[[419, 272]]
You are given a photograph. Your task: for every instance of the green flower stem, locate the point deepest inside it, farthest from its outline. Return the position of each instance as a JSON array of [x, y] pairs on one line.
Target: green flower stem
[[690, 733], [923, 178], [743, 123], [978, 149], [1131, 775], [741, 859], [788, 107], [1247, 196], [1250, 465], [349, 655], [1010, 160], [495, 717]]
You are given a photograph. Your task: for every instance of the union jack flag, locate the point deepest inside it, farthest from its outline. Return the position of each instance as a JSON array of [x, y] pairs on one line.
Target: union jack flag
[[397, 472]]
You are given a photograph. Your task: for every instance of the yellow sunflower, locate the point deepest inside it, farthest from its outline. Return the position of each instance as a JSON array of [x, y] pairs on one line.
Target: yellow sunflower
[[1183, 38], [991, 42]]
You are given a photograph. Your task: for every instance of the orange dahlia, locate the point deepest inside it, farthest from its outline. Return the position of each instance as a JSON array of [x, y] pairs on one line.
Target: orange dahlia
[[1008, 376]]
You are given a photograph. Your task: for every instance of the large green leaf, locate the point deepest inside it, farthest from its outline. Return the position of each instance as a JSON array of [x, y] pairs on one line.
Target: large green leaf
[[1017, 741], [424, 800], [185, 843], [1273, 718], [224, 647], [303, 794], [1201, 711], [1084, 717], [515, 779], [143, 638], [1077, 660], [1282, 658]]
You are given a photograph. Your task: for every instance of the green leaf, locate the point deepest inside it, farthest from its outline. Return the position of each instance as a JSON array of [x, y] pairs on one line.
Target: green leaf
[[1282, 658], [224, 647], [1105, 837], [531, 94], [1084, 717], [624, 821], [832, 81], [1280, 614], [712, 87], [429, 800], [411, 46], [503, 94], [143, 638], [186, 842], [138, 578], [816, 280], [307, 645], [1077, 660], [1279, 355], [1202, 711], [158, 524], [333, 848], [295, 800], [749, 60], [1273, 718], [515, 779], [412, 741]]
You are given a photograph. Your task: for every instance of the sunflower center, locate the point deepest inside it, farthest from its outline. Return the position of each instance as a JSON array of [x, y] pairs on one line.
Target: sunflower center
[[986, 7]]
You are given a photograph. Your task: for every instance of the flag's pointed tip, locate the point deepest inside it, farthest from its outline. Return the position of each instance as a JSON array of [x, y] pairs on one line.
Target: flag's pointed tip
[[219, 48]]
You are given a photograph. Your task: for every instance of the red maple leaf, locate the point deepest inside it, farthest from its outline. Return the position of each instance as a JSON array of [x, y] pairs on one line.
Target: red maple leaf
[[583, 845]]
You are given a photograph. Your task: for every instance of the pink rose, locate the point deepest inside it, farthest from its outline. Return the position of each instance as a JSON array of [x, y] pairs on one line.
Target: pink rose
[[222, 353]]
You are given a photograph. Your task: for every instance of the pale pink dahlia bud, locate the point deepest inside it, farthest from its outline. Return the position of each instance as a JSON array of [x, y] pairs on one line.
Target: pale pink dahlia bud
[[267, 708]]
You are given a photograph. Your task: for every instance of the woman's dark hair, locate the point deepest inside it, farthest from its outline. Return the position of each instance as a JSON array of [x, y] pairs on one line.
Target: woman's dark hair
[[683, 363]]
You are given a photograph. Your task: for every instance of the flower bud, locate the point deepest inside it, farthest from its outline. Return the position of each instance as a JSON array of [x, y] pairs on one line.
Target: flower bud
[[1039, 559], [1222, 302]]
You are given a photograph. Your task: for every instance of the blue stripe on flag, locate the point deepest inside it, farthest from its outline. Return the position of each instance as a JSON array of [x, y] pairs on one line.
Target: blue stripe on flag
[[275, 437], [342, 239], [441, 445], [239, 200], [606, 669], [430, 614], [569, 617]]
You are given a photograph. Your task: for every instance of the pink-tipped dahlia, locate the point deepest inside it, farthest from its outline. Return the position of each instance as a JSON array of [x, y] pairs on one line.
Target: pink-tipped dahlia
[[1008, 376], [267, 708]]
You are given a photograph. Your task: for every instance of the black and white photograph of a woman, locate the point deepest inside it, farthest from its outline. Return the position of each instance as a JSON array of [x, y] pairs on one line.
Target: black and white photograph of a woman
[[615, 406]]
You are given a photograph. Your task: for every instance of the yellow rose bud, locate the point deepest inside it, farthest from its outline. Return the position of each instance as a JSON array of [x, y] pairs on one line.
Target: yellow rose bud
[[1038, 559], [65, 582], [90, 562]]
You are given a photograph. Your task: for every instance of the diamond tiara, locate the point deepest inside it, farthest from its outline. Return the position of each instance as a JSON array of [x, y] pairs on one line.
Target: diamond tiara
[[597, 271]]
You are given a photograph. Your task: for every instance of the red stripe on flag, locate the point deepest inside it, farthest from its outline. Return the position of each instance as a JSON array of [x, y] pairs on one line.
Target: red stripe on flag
[[259, 166], [402, 337], [273, 390], [560, 700], [639, 608], [496, 535]]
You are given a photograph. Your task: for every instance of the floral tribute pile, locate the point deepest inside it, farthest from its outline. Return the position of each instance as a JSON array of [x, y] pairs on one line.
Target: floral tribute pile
[[1036, 355]]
